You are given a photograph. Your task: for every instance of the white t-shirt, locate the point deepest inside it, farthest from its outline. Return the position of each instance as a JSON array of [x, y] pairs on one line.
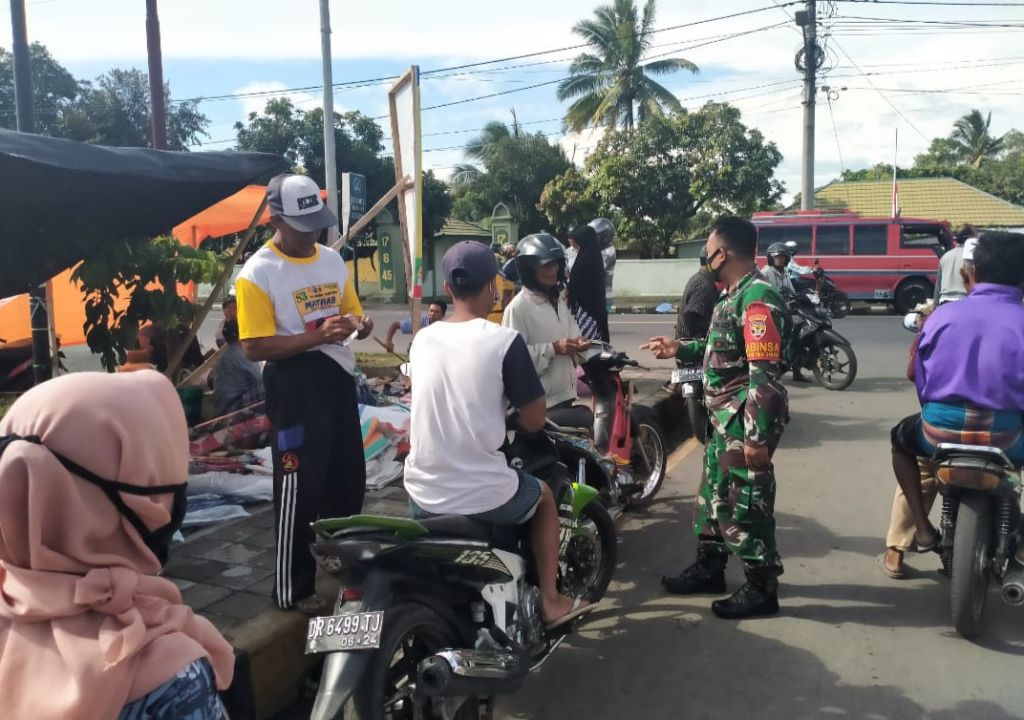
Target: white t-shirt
[[464, 374], [282, 295]]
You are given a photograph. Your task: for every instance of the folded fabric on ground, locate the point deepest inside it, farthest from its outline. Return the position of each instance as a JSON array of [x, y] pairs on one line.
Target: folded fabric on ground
[[209, 509], [254, 487]]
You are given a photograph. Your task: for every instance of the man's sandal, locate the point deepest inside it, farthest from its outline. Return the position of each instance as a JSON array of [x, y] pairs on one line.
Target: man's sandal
[[897, 571]]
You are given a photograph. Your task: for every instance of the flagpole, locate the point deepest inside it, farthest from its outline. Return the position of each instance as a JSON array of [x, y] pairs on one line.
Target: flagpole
[[895, 191]]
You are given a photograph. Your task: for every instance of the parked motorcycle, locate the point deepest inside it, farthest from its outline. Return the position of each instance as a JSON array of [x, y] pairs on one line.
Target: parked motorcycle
[[690, 378], [819, 348], [980, 527], [438, 616], [627, 437], [833, 300]]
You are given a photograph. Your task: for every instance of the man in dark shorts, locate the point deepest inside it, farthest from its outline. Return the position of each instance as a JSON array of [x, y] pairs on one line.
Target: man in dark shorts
[[465, 372], [969, 372]]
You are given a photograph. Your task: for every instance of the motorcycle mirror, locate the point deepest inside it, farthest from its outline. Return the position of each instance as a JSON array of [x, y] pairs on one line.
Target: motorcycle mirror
[[910, 322]]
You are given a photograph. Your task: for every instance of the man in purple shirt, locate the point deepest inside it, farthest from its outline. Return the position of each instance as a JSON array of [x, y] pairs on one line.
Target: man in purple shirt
[[969, 372]]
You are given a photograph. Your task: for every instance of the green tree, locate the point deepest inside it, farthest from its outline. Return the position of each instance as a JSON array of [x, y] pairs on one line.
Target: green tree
[[54, 90], [115, 110], [612, 84], [516, 167], [568, 201], [974, 140], [298, 135], [668, 178]]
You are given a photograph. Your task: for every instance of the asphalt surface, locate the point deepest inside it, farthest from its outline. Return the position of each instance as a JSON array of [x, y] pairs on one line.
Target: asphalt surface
[[849, 643]]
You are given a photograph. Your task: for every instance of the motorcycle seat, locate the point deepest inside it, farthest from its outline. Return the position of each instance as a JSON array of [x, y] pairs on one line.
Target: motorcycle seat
[[459, 526], [578, 419]]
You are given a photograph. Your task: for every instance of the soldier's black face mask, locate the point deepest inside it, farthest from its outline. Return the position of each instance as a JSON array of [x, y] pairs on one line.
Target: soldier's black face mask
[[159, 540], [716, 272]]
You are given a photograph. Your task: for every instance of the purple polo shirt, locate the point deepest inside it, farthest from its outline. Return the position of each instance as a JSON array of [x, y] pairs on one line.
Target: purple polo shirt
[[972, 351]]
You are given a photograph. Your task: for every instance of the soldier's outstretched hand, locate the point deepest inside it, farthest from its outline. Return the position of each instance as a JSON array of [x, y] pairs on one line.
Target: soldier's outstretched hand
[[663, 348]]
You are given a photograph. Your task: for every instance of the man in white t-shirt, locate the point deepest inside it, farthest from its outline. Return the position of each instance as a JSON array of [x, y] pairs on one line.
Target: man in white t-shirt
[[297, 310], [465, 373]]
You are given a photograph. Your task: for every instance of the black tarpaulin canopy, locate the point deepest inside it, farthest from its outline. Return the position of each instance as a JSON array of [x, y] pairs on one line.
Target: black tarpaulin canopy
[[60, 198]]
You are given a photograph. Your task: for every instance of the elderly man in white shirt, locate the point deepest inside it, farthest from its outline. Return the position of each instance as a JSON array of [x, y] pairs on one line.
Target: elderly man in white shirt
[[543, 318]]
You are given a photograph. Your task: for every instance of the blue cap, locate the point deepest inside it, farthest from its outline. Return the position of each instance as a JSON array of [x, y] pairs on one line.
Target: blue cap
[[469, 263]]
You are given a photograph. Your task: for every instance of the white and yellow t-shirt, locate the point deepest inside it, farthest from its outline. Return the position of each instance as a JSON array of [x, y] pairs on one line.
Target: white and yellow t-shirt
[[281, 295]]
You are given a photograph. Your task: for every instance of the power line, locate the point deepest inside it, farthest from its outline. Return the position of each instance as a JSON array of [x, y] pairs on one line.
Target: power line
[[926, 2], [883, 95], [483, 63]]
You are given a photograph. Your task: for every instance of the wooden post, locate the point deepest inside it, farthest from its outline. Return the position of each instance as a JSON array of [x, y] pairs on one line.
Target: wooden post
[[403, 221], [175, 362]]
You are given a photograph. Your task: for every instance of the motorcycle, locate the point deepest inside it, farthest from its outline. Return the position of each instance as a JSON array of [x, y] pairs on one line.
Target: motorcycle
[[834, 301], [630, 446], [819, 348], [438, 616], [690, 378], [980, 527]]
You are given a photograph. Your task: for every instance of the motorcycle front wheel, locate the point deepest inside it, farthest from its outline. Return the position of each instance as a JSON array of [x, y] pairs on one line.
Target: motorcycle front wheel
[[588, 561], [836, 366], [968, 587], [648, 455]]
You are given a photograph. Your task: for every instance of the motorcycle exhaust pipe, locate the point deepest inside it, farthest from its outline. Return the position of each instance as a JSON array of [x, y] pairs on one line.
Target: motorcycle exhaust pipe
[[1012, 591], [470, 673]]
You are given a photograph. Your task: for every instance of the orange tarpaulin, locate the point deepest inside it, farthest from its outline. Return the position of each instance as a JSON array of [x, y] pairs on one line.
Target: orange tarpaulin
[[231, 215]]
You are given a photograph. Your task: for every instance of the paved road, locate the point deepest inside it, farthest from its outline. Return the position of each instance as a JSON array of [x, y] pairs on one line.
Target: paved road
[[850, 643]]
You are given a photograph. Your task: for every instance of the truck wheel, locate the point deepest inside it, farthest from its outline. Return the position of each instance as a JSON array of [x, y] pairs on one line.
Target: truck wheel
[[912, 293]]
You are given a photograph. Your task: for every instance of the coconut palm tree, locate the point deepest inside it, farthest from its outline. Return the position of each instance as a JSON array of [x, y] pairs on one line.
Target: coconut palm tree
[[973, 139], [482, 147], [612, 84]]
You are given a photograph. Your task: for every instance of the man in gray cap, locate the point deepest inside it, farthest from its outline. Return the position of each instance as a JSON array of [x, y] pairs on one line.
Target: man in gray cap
[[298, 311], [465, 371]]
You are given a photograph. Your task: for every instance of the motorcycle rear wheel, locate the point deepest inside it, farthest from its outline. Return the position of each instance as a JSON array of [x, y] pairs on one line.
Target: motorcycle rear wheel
[[830, 371], [698, 418], [968, 587], [649, 443], [411, 634], [839, 305]]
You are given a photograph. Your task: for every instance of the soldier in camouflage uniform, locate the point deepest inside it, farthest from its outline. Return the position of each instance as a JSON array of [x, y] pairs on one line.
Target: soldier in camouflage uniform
[[748, 409]]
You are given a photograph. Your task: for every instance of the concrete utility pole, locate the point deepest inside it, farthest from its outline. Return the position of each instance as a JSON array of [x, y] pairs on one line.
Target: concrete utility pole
[[42, 369], [330, 161], [807, 61], [158, 107]]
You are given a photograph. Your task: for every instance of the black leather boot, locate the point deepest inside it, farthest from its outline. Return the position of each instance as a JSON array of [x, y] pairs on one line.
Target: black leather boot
[[707, 575], [759, 597]]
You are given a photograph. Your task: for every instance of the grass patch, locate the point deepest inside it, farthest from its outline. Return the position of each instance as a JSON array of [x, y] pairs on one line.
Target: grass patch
[[5, 403]]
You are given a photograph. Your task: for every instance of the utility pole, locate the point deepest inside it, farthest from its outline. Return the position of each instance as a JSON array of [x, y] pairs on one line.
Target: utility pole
[[158, 107], [807, 60], [40, 319], [330, 161]]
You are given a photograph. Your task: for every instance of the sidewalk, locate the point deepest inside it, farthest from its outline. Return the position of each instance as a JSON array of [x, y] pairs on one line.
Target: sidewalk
[[226, 573]]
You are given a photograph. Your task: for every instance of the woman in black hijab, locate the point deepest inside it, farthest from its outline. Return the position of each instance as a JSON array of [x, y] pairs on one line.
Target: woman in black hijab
[[586, 285]]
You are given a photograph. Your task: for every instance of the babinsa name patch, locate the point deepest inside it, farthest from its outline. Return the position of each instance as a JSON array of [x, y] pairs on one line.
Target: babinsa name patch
[[760, 335]]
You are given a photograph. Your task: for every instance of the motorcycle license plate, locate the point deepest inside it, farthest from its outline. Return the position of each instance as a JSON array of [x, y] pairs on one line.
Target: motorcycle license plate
[[688, 374], [354, 631]]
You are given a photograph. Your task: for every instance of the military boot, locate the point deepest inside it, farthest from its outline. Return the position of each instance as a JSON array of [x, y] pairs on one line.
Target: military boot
[[758, 597], [707, 575]]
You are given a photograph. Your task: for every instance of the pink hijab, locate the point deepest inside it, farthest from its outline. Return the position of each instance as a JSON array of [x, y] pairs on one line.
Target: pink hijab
[[85, 625]]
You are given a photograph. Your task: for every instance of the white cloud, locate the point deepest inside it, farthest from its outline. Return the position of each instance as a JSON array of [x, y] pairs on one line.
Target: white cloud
[[257, 93]]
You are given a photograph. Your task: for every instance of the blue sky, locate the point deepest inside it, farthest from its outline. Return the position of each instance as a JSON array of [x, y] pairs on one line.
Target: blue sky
[[920, 78]]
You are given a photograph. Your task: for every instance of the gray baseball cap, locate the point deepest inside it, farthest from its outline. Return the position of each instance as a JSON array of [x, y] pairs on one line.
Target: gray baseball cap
[[296, 200]]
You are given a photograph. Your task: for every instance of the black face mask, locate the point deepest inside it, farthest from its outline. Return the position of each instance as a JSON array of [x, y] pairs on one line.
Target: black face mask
[[159, 540], [716, 272]]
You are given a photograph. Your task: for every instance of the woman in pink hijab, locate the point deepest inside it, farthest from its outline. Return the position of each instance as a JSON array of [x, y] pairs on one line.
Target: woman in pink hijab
[[92, 480]]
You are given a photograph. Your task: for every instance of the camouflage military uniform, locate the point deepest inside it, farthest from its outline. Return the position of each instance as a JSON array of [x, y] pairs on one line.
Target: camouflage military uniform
[[743, 363]]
